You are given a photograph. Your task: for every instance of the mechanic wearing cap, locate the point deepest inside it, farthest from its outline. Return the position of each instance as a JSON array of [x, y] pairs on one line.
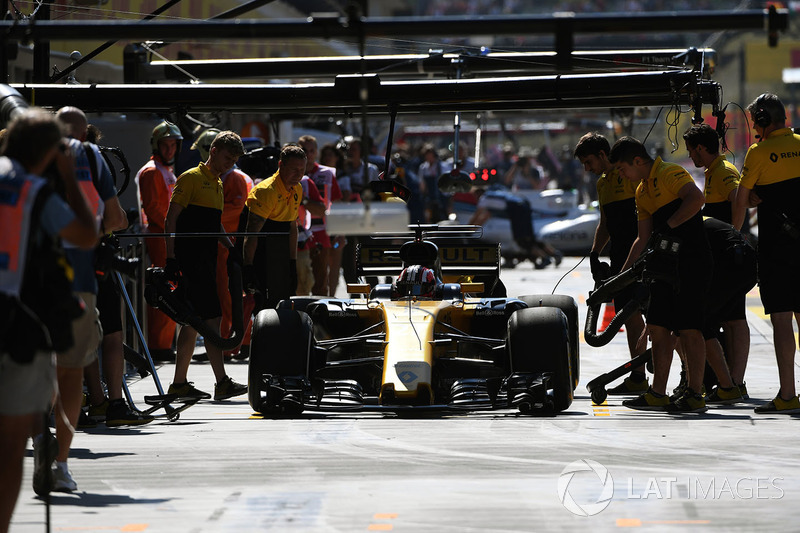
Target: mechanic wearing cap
[[617, 228], [324, 178], [236, 185], [771, 181], [156, 180], [721, 182], [270, 260], [668, 204], [196, 206]]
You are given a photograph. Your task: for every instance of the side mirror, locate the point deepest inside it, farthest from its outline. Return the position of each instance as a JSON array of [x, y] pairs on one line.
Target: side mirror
[[455, 181]]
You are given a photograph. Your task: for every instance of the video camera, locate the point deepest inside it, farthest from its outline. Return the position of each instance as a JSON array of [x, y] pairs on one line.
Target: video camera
[[107, 258], [260, 163]]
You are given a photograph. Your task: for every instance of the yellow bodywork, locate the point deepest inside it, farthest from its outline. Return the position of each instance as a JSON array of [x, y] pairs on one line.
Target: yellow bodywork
[[408, 356]]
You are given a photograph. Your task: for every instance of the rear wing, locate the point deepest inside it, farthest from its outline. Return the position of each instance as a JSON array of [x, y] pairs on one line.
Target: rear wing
[[459, 262]]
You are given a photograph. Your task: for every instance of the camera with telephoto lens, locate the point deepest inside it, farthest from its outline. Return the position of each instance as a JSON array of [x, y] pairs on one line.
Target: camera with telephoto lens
[[107, 258]]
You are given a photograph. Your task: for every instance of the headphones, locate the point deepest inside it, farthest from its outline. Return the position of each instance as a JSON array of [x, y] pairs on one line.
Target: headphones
[[761, 116]]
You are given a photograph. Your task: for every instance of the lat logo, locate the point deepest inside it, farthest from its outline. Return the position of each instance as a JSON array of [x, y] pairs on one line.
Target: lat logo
[[599, 483]]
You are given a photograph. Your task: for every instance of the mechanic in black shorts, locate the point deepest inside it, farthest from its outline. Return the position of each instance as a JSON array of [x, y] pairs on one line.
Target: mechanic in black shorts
[[668, 204], [771, 182], [734, 276], [196, 207], [617, 228]]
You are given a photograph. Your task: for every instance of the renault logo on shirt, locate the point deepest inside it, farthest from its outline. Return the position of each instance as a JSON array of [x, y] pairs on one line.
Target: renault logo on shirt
[[773, 157]]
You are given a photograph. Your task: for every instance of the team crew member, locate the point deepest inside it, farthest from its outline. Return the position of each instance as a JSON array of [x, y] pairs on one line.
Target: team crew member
[[618, 228], [668, 204], [32, 218], [156, 180], [324, 178], [771, 181], [721, 176], [721, 182], [273, 208], [734, 276], [311, 207], [196, 206], [236, 185]]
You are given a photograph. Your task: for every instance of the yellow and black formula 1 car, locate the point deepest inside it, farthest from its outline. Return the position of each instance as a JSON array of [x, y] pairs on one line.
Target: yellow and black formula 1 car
[[433, 339]]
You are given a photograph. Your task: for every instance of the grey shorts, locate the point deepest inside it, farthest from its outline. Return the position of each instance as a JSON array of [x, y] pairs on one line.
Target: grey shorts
[[26, 388], [87, 332]]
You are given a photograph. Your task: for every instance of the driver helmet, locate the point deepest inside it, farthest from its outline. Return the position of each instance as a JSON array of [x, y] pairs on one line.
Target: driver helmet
[[165, 130], [416, 280], [203, 142]]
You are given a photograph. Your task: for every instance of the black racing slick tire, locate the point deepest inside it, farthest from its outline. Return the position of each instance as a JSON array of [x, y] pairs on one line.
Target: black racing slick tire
[[569, 306], [281, 345], [538, 341]]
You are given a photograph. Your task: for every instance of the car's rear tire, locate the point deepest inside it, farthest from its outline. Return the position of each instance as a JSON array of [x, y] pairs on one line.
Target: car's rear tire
[[569, 306], [281, 345], [537, 342]]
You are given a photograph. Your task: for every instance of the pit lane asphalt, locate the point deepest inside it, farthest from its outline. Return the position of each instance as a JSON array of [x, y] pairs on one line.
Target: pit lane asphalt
[[219, 468]]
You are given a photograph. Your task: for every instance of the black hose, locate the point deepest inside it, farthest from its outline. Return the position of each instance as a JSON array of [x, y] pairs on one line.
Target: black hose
[[595, 339], [605, 292], [237, 318]]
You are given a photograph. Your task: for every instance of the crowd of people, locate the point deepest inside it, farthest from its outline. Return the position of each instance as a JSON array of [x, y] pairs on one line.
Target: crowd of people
[[59, 200]]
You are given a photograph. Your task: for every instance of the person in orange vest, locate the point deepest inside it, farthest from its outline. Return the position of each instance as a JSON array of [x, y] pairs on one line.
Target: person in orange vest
[[33, 219], [236, 185], [323, 264], [156, 181], [312, 207]]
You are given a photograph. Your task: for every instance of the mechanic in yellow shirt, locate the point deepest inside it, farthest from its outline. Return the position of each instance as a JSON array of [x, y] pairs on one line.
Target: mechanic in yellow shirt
[[270, 261], [771, 182], [617, 228], [722, 180], [668, 204], [196, 206], [722, 177]]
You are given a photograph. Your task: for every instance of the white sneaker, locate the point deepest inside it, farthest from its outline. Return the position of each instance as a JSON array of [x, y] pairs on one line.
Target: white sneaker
[[62, 479], [45, 450]]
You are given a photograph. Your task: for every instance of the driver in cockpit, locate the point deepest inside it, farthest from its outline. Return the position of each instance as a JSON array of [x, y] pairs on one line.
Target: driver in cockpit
[[417, 281]]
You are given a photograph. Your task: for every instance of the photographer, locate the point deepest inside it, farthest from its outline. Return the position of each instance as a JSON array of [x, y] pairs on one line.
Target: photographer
[[771, 182], [98, 187], [34, 285], [522, 174]]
